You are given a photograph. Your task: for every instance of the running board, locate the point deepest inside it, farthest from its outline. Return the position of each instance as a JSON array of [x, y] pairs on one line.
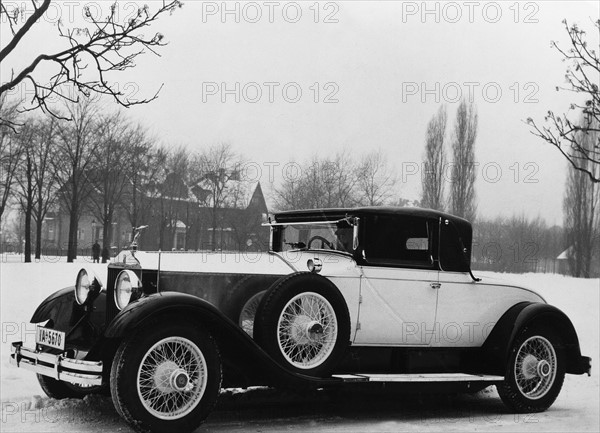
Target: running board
[[419, 377]]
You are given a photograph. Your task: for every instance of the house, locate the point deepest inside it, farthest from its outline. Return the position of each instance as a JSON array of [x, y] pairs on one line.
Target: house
[[175, 222]]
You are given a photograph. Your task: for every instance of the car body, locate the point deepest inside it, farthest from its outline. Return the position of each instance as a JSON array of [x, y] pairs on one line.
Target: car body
[[342, 297]]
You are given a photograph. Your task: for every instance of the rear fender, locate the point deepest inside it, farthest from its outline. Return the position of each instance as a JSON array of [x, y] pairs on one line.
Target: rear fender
[[497, 346]]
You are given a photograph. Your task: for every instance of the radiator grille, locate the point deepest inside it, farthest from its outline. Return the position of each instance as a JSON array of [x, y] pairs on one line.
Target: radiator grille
[[111, 307]]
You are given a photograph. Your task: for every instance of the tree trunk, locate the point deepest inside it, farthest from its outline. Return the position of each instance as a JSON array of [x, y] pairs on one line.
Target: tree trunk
[[38, 238], [214, 229], [28, 212], [72, 242], [107, 230]]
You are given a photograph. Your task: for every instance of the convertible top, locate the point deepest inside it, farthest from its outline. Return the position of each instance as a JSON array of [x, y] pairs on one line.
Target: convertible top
[[458, 231], [338, 213]]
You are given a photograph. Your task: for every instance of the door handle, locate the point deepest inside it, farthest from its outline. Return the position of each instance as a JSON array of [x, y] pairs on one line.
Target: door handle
[[435, 286]]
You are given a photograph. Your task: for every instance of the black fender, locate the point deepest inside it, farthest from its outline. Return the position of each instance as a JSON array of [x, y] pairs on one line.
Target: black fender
[[81, 323], [49, 306], [497, 346], [244, 362]]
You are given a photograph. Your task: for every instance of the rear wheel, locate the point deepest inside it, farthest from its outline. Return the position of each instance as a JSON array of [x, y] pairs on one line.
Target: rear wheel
[[535, 371], [166, 377]]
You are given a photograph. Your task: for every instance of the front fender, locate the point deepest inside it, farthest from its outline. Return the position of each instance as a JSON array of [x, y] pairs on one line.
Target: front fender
[[498, 345], [157, 304], [50, 307], [245, 363], [83, 324]]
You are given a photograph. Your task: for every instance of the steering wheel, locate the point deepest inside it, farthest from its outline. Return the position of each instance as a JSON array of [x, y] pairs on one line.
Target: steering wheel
[[322, 239]]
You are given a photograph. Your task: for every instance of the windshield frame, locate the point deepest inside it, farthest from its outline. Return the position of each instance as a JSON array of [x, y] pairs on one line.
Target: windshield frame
[[277, 229]]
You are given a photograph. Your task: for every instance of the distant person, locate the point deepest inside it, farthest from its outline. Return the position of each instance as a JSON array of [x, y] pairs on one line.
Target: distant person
[[96, 252], [105, 255]]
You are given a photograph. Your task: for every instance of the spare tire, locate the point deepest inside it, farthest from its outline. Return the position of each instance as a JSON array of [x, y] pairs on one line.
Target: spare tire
[[303, 323]]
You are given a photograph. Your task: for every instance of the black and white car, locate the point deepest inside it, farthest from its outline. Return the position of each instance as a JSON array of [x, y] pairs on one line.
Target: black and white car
[[342, 297]]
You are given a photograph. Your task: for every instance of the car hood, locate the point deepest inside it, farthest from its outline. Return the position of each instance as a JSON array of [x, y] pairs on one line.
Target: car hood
[[333, 263], [205, 262]]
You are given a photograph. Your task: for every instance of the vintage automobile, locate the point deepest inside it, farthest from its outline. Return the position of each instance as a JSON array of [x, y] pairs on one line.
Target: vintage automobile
[[343, 297]]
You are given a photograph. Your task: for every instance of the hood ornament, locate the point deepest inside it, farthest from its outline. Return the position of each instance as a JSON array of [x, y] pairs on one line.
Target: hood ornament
[[138, 231]]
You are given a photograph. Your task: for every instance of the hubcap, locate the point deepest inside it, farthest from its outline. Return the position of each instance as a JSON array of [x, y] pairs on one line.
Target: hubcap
[[172, 378], [535, 367], [307, 330], [179, 380], [543, 368]]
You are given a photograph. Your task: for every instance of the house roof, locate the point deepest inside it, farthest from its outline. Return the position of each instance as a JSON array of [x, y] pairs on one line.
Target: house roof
[[565, 254]]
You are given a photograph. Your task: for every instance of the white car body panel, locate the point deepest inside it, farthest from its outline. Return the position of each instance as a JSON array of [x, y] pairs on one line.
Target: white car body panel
[[467, 310], [397, 306], [388, 306]]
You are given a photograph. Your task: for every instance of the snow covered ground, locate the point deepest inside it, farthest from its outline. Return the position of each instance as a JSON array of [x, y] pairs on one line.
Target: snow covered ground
[[26, 409]]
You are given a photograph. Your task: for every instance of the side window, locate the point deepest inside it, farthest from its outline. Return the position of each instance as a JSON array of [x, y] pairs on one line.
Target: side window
[[398, 241]]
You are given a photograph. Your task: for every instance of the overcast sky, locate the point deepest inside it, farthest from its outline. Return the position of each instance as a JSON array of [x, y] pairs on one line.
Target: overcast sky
[[384, 68]]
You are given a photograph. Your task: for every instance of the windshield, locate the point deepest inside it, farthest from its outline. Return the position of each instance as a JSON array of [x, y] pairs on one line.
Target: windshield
[[327, 236]]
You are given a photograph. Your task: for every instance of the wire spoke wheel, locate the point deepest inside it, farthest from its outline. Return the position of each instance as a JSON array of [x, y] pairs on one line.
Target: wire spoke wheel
[[307, 330], [535, 370], [248, 313], [172, 378], [535, 367]]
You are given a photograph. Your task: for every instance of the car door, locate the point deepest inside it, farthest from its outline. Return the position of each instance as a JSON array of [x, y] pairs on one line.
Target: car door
[[399, 282]]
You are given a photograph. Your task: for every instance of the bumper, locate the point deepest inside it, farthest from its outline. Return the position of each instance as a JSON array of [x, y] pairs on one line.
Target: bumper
[[57, 366]]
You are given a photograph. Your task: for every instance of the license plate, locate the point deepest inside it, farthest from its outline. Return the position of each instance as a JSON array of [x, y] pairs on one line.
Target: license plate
[[50, 337]]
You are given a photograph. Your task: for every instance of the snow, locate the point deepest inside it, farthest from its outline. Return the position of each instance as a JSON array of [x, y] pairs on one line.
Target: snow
[[25, 408]]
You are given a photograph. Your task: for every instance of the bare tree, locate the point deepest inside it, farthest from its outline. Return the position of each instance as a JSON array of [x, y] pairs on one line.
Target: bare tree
[[76, 145], [11, 150], [174, 194], [432, 180], [144, 174], [516, 244], [582, 78], [375, 180], [24, 176], [319, 183], [289, 194], [110, 168], [581, 204], [218, 168], [87, 59], [45, 181], [462, 198], [235, 215]]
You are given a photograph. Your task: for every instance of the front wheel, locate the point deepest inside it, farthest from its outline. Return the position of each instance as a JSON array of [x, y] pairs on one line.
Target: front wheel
[[166, 377], [535, 372]]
